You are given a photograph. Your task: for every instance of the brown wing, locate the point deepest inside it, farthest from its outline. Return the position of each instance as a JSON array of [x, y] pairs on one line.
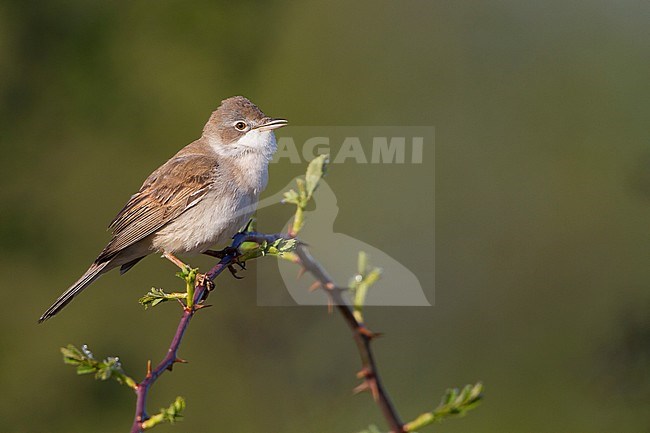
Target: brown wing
[[168, 192]]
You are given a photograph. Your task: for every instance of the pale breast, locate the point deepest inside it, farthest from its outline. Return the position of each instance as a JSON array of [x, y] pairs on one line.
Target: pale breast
[[212, 221], [220, 214]]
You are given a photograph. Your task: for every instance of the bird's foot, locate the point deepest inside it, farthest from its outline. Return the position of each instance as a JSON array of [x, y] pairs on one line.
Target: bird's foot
[[232, 252], [233, 270], [220, 254]]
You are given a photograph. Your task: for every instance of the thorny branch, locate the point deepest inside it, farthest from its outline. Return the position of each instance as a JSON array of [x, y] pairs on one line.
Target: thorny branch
[[204, 283], [362, 336], [455, 402]]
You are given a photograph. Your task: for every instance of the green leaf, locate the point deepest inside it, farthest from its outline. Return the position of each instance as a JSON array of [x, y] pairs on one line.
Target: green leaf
[[306, 188], [282, 246], [171, 414], [454, 403], [315, 171], [188, 274], [156, 296], [301, 190], [291, 197], [86, 369], [71, 355], [86, 363]]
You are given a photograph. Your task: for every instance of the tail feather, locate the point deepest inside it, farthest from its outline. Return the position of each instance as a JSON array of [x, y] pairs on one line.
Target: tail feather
[[86, 279]]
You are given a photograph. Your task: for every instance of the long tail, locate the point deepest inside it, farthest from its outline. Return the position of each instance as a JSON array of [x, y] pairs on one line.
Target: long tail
[[86, 279]]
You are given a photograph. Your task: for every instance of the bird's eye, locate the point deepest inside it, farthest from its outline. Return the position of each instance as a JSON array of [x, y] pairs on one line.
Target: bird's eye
[[240, 126]]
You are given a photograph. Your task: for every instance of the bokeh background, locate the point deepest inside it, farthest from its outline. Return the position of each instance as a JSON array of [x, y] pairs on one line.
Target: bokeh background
[[541, 225]]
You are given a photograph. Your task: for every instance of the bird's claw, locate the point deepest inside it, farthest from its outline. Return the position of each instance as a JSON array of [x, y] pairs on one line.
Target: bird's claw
[[229, 252], [233, 271]]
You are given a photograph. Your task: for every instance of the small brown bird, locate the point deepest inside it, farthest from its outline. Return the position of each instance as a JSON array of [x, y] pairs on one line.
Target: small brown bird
[[199, 198]]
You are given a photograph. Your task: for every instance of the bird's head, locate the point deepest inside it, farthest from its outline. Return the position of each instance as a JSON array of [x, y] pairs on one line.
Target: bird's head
[[239, 127]]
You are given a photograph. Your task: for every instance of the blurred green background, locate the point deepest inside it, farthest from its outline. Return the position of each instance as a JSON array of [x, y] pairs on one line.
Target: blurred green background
[[542, 208]]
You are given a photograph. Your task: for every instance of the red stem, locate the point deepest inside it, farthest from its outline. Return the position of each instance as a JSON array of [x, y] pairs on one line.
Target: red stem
[[168, 361], [362, 335]]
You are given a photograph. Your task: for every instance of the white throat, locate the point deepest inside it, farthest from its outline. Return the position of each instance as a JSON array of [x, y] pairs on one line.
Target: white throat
[[261, 143], [251, 154]]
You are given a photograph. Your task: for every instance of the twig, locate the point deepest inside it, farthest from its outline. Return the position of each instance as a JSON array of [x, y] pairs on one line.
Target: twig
[[171, 358], [362, 336]]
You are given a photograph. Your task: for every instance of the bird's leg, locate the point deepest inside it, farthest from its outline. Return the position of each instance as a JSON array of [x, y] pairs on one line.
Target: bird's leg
[[175, 260]]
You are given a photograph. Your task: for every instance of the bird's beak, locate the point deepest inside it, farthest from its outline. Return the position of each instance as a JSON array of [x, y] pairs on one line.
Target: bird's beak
[[270, 124]]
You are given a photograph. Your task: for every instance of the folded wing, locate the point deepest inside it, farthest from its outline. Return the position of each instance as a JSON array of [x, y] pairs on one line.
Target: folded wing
[[175, 187]]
